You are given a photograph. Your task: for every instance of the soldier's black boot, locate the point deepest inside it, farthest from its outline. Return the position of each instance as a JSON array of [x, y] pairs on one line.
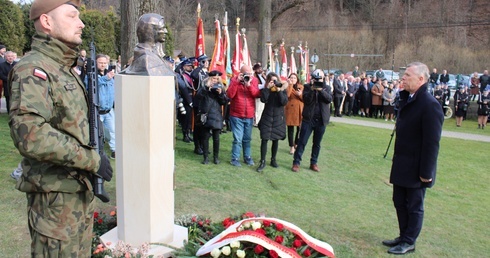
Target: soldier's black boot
[[261, 166], [189, 135]]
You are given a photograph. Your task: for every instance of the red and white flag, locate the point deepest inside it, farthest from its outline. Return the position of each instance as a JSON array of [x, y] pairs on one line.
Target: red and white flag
[[237, 55], [284, 60], [200, 49], [245, 54], [218, 59]]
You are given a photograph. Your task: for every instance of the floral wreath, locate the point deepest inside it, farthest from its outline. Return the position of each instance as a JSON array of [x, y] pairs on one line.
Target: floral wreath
[[280, 238]]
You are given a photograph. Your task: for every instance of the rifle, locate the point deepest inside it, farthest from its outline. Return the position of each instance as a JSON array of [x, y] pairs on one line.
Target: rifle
[[95, 127]]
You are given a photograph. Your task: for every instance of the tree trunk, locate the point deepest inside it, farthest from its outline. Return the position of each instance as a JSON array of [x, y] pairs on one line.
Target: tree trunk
[[130, 13], [265, 17]]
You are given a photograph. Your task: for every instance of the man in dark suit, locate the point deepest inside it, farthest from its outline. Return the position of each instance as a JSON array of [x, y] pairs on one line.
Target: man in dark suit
[[339, 87], [418, 131]]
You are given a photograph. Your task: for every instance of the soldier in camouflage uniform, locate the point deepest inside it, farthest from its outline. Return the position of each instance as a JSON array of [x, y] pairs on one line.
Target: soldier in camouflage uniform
[[49, 127]]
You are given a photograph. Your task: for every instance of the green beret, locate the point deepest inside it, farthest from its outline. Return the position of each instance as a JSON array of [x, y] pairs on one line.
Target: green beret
[[39, 7]]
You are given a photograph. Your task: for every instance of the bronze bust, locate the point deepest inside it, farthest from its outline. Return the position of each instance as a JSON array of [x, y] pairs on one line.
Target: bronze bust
[[148, 53]]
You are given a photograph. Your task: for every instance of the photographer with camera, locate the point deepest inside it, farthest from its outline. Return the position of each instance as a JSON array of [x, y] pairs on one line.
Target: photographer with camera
[[211, 98], [461, 102], [317, 97], [242, 92], [272, 124]]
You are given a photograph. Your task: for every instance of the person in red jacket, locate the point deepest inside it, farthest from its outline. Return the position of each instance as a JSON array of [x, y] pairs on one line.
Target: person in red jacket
[[242, 92]]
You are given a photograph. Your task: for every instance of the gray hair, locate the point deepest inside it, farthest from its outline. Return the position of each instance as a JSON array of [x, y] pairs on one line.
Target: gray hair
[[420, 69]]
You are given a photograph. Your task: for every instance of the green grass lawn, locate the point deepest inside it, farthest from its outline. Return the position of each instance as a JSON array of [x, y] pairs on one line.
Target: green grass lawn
[[348, 204]]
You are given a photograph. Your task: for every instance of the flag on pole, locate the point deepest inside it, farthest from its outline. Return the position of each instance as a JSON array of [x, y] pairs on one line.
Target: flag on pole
[[302, 76], [292, 66], [237, 55], [284, 60], [277, 68], [245, 54], [218, 58], [307, 63], [270, 64], [200, 49], [226, 48]]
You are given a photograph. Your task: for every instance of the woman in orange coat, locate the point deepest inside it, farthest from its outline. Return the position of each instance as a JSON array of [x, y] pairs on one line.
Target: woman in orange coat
[[293, 110]]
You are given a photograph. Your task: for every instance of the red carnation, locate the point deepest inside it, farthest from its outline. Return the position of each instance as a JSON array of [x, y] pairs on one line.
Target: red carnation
[[96, 215], [279, 239], [260, 231], [258, 249], [228, 222], [266, 223], [248, 215], [200, 223], [273, 254], [307, 252], [279, 226], [296, 243], [99, 221], [194, 219]]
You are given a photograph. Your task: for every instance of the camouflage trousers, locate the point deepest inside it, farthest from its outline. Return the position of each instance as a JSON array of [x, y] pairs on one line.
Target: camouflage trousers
[[61, 224]]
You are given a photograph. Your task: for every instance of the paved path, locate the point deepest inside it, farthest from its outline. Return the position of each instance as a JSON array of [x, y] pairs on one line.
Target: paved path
[[389, 125], [371, 123]]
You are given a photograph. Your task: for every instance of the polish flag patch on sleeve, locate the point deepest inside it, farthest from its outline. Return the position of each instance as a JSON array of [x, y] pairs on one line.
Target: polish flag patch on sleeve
[[40, 73]]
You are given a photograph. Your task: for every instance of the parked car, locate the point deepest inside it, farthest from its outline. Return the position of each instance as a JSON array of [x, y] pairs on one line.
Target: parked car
[[391, 75], [451, 84]]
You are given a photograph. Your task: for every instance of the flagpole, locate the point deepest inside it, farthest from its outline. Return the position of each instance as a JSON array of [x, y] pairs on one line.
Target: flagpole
[[198, 10]]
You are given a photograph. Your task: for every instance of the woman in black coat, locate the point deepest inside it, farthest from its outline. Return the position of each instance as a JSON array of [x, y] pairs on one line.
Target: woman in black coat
[[272, 123], [364, 97], [461, 100], [211, 98]]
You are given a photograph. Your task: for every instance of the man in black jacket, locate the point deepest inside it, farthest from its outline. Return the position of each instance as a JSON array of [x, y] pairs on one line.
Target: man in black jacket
[[5, 68], [317, 97], [418, 132]]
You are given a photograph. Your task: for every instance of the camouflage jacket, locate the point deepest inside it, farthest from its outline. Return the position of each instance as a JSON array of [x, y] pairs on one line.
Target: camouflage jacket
[[49, 119]]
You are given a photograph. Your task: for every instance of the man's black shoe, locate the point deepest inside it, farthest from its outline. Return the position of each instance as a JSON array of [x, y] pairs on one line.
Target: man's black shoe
[[402, 248], [391, 242]]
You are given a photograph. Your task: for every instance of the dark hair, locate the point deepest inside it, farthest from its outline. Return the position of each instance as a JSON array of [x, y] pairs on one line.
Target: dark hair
[[269, 77]]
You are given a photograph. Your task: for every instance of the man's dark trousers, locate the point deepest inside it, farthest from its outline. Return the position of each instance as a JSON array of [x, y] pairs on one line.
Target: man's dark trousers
[[409, 205], [318, 129]]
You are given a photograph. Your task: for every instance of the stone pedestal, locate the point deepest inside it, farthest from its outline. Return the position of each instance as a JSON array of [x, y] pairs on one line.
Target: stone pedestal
[[145, 122]]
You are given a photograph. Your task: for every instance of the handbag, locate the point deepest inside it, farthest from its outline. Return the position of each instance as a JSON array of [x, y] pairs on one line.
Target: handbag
[[202, 118]]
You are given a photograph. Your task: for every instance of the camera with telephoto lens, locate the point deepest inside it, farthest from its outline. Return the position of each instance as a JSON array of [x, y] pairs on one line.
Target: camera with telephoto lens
[[277, 83], [246, 78], [217, 86], [180, 106]]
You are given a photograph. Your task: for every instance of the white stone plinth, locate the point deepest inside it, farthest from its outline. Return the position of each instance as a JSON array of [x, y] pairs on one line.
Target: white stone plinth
[[145, 122]]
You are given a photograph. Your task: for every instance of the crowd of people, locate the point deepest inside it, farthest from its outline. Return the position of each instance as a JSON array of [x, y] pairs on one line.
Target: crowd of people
[[260, 98]]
